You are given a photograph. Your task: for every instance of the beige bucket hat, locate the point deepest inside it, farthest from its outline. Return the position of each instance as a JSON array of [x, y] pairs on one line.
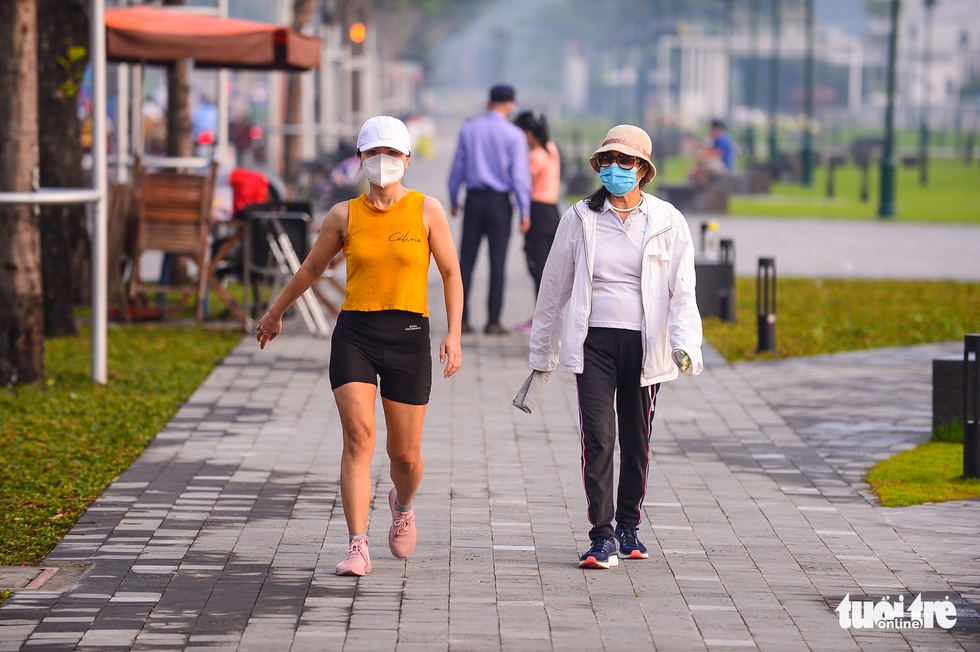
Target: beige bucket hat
[[628, 140]]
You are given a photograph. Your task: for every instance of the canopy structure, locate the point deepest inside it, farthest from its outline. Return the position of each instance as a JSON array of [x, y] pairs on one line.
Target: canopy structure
[[153, 35]]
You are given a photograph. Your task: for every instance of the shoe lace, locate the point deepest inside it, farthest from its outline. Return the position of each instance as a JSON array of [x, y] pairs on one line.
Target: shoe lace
[[356, 547], [628, 537], [598, 545], [403, 522]]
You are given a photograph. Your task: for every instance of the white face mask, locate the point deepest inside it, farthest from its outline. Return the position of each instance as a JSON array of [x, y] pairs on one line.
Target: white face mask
[[383, 170]]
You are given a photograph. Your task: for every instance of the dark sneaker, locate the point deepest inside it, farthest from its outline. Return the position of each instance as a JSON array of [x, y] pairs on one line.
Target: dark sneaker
[[495, 329], [630, 544], [602, 554]]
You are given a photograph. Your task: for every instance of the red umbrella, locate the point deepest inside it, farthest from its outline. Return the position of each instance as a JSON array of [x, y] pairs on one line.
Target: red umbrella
[[156, 36]]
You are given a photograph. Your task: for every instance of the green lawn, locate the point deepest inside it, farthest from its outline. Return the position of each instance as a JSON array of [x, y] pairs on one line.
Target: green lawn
[[929, 473], [62, 442], [828, 316], [952, 194]]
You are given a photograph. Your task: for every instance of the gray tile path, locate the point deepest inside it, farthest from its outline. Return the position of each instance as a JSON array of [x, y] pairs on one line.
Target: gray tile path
[[225, 533]]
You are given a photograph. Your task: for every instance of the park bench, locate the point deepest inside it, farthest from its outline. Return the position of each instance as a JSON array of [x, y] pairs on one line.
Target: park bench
[[755, 179], [711, 198]]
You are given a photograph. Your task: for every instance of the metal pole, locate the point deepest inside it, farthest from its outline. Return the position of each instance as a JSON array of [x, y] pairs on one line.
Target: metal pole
[[807, 150], [100, 287], [964, 43], [122, 126], [886, 209], [774, 86], [926, 91], [971, 417], [751, 100], [729, 35], [137, 135], [222, 135], [122, 122]]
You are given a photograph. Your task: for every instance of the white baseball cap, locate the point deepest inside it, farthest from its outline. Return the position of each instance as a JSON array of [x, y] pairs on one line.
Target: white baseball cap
[[384, 131]]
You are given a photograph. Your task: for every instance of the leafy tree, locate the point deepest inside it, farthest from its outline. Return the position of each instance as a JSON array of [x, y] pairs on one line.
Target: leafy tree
[[412, 28]]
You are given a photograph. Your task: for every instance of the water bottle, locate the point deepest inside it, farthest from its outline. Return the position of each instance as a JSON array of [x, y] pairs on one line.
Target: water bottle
[[712, 242], [683, 361]]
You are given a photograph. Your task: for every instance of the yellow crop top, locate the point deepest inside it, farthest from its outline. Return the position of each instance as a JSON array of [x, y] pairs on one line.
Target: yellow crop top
[[388, 256]]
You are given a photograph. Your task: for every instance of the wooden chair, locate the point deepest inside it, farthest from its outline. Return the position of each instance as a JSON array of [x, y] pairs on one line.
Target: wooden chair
[[174, 217], [120, 239]]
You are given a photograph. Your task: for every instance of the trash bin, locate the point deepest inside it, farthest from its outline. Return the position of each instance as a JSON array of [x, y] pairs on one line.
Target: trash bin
[[715, 289]]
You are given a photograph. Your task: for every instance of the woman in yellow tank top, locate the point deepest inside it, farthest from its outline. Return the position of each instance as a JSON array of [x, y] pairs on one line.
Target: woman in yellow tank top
[[388, 235]]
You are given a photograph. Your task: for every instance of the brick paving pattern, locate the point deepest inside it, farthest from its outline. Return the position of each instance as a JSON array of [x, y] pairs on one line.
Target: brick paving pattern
[[224, 534]]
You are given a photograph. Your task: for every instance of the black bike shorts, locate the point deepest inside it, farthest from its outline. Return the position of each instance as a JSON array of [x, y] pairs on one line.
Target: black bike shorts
[[391, 344]]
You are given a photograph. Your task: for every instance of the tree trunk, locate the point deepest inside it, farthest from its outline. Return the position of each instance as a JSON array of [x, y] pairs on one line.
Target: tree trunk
[[178, 113], [21, 313], [178, 110], [65, 247], [302, 14]]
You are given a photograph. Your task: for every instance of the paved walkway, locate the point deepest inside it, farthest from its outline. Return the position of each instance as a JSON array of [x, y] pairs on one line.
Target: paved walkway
[[226, 531]]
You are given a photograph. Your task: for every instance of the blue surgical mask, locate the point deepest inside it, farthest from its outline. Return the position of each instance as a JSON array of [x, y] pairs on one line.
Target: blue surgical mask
[[617, 180]]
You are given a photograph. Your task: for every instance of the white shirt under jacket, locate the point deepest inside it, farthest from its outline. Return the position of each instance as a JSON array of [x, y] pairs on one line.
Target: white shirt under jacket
[[670, 312]]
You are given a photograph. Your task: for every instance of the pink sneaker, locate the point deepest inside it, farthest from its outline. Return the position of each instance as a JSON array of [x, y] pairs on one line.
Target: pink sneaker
[[402, 535], [358, 561]]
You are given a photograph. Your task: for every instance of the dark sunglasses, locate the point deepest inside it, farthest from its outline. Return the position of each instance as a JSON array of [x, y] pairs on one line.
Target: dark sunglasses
[[625, 161]]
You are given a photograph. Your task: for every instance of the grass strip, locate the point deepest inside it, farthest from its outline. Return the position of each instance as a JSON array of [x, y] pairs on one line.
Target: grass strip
[[929, 473], [63, 441], [817, 316]]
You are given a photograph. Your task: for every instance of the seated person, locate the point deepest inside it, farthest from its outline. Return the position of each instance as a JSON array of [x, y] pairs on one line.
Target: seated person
[[716, 159], [248, 187]]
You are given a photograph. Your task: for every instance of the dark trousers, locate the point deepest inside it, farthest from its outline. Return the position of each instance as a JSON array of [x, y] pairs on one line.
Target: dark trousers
[[609, 385], [539, 238], [485, 213]]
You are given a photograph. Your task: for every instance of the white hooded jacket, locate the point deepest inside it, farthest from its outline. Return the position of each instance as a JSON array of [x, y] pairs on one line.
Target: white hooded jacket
[[670, 313]]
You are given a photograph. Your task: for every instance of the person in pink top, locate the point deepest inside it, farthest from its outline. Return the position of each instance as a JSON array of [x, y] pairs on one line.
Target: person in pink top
[[545, 164]]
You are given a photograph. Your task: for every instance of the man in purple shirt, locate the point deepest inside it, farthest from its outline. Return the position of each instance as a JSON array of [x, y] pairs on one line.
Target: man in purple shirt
[[492, 162]]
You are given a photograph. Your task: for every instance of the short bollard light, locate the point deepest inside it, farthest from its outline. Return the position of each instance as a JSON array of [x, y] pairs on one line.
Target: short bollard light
[[726, 295], [831, 168], [765, 293], [971, 406], [865, 194]]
